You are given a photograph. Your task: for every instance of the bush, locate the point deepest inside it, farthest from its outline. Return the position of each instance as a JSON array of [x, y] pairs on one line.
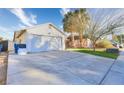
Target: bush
[[112, 50], [104, 44]]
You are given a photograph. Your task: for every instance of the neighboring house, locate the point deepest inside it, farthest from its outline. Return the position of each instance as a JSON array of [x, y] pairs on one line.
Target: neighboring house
[[44, 37], [121, 39], [6, 46], [86, 43], [116, 40]]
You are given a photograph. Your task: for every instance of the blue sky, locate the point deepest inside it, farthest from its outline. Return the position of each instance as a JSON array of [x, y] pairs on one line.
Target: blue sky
[[14, 19]]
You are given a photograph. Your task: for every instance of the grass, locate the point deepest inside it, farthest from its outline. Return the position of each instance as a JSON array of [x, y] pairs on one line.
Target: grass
[[98, 52]]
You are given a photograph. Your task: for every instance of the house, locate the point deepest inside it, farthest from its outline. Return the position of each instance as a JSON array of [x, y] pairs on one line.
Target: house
[[86, 43], [44, 37], [121, 40], [6, 46], [117, 40]]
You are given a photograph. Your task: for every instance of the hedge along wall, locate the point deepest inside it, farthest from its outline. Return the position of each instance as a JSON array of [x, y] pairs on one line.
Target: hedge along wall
[[3, 68]]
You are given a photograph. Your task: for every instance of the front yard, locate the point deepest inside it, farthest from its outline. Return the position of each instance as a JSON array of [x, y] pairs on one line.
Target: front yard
[[98, 52]]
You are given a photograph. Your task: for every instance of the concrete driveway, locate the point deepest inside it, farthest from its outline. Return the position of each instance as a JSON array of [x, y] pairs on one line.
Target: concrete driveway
[[57, 67]]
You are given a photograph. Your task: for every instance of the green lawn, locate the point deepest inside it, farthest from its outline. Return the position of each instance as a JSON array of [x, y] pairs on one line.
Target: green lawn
[[98, 52]]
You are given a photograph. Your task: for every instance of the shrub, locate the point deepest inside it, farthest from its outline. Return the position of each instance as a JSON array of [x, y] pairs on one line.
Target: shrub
[[112, 50], [104, 43]]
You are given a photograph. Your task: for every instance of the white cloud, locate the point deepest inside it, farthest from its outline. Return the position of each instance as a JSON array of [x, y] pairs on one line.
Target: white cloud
[[6, 33], [3, 29], [20, 26], [33, 18], [64, 11], [27, 20], [61, 26]]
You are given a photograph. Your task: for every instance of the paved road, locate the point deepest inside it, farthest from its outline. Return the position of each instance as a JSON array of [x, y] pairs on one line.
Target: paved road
[[58, 67]]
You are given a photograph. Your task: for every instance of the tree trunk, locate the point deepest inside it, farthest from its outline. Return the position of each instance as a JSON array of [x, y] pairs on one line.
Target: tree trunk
[[112, 35], [72, 40], [94, 46], [81, 39]]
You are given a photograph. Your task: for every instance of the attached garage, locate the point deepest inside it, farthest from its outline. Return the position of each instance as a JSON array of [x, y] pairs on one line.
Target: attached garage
[[45, 37], [45, 43]]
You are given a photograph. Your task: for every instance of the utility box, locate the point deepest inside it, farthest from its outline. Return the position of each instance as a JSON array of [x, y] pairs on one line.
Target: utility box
[[20, 49]]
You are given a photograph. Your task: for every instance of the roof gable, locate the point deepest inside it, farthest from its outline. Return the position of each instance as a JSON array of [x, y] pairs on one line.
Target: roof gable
[[28, 29]]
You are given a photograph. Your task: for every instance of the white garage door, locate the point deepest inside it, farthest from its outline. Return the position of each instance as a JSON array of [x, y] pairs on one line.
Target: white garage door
[[55, 43], [45, 43]]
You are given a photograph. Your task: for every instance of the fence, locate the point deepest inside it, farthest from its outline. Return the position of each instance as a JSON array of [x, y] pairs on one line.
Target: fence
[[3, 68]]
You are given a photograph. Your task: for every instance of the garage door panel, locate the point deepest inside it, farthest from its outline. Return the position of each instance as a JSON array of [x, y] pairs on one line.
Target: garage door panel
[[55, 43], [39, 43], [45, 43]]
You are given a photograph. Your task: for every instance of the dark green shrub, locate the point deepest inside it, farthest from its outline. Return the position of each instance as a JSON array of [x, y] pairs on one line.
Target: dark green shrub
[[112, 50]]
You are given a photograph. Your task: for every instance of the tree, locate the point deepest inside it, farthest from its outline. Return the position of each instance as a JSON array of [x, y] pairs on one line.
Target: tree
[[76, 21], [99, 28], [69, 25], [82, 19]]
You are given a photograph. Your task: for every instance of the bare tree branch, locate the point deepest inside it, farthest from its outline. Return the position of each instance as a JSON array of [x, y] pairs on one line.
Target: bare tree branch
[[104, 25]]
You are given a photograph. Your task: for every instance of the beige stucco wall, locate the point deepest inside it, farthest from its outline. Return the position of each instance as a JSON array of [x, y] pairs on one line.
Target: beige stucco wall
[[59, 34], [21, 39], [10, 45], [44, 29]]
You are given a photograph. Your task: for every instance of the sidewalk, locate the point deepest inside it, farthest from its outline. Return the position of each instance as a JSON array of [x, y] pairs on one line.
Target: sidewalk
[[116, 73]]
